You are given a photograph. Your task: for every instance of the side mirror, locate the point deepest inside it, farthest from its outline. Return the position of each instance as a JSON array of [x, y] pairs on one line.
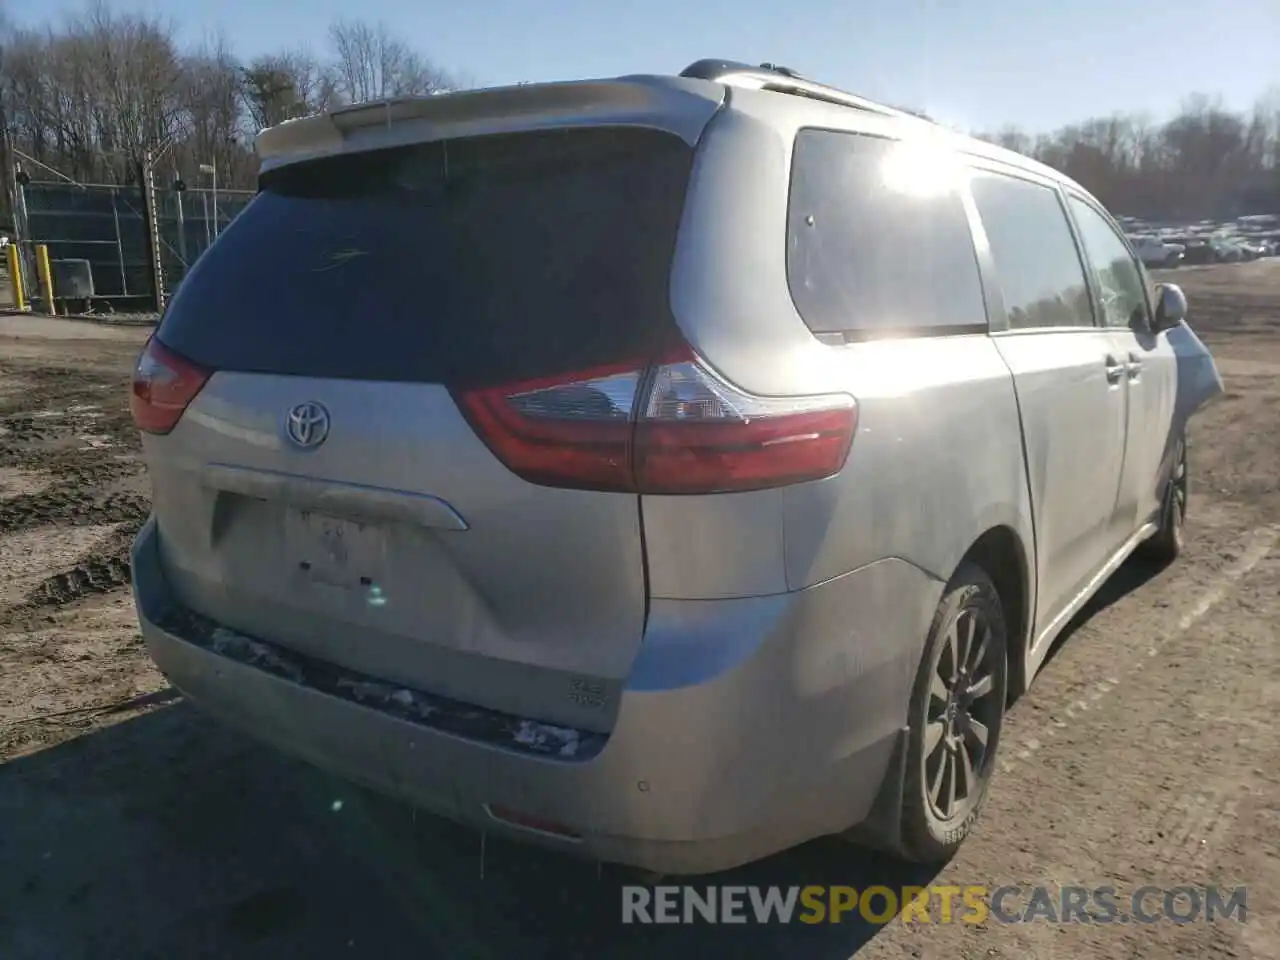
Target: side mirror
[[1171, 309]]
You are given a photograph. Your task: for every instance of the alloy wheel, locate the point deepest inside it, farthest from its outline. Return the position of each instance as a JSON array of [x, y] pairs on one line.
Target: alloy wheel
[[962, 716]]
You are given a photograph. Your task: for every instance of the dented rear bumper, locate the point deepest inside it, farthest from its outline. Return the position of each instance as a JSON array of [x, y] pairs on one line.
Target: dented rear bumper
[[747, 726]]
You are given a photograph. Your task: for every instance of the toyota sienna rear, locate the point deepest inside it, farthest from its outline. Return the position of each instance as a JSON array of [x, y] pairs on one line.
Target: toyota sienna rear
[[503, 459]]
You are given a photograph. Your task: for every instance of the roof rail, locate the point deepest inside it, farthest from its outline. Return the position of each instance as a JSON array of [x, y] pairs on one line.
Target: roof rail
[[770, 76]]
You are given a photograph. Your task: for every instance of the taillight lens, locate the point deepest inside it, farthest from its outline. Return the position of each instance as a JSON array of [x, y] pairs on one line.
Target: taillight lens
[[574, 431], [164, 384], [697, 434], [673, 427]]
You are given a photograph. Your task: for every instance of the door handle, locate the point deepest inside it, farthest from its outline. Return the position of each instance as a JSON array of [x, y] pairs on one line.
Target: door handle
[[1135, 366], [1115, 369]]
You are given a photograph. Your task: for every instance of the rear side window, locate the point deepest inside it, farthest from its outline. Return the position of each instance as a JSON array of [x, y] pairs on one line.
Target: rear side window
[[878, 241], [1035, 254], [466, 262]]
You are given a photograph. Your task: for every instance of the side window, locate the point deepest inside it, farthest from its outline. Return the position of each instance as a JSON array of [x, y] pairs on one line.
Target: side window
[[1034, 252], [1121, 281], [878, 240]]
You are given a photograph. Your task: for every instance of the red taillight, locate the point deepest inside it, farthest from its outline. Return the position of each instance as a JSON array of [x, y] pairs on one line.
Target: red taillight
[[164, 384], [572, 432], [673, 428]]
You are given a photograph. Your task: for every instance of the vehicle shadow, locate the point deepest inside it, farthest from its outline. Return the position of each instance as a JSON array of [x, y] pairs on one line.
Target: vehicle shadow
[[1131, 575], [169, 836]]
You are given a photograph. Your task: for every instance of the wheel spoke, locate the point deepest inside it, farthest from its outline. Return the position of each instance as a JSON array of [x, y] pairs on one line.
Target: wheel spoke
[[935, 784], [980, 688], [948, 662], [979, 654], [938, 688], [952, 769], [965, 762], [966, 641], [933, 736], [979, 729]]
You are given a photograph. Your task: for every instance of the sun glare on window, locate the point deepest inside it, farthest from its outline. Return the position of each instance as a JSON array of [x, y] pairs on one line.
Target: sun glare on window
[[920, 170]]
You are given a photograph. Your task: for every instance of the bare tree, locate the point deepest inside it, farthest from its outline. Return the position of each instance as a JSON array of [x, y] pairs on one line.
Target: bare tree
[[209, 95], [88, 96], [283, 86], [1206, 161], [370, 64], [136, 69]]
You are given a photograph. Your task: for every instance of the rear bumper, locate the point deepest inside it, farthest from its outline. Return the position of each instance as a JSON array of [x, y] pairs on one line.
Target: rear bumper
[[747, 726]]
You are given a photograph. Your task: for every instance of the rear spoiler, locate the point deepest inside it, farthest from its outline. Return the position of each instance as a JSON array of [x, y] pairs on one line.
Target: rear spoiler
[[678, 105]]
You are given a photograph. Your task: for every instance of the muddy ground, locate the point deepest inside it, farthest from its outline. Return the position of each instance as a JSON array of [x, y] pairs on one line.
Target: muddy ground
[[132, 827]]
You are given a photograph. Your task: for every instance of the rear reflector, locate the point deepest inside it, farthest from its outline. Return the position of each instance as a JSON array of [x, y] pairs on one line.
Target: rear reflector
[[524, 821], [164, 384], [672, 427]]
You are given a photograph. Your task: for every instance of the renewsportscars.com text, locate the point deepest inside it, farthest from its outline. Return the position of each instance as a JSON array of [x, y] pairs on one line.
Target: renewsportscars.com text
[[935, 904]]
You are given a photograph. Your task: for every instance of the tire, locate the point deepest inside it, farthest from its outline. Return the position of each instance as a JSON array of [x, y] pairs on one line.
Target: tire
[[1165, 546], [943, 732]]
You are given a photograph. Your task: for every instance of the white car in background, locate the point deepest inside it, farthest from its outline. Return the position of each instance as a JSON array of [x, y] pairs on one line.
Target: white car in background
[[1154, 252]]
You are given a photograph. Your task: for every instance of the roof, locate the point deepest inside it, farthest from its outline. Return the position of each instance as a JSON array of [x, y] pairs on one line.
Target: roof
[[681, 104]]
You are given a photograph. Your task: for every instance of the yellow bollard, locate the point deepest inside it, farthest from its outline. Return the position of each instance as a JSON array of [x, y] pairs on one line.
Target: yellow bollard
[[15, 278], [46, 278]]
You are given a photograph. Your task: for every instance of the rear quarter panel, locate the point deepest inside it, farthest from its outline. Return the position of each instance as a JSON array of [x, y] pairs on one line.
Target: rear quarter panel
[[937, 458]]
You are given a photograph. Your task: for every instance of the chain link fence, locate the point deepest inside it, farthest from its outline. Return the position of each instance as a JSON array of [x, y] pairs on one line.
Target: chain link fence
[[98, 237], [189, 221]]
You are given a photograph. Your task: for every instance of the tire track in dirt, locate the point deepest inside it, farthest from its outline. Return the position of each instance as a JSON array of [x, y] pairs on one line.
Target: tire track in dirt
[[93, 575], [69, 438], [15, 482], [71, 426], [70, 504], [101, 569], [29, 558]]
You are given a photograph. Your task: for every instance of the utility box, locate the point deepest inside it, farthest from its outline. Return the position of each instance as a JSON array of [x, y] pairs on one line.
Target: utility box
[[72, 279]]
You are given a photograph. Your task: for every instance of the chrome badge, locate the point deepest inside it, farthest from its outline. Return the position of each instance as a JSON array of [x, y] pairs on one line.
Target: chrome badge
[[307, 425]]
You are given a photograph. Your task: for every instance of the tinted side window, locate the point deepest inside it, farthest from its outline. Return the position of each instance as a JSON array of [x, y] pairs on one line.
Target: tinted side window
[[1120, 280], [878, 241], [1034, 253]]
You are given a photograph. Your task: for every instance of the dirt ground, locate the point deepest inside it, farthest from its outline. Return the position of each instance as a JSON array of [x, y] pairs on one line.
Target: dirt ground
[[133, 827]]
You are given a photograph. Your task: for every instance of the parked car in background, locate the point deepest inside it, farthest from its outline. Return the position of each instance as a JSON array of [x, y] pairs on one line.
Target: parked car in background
[[1154, 252], [1225, 251], [1198, 251], [422, 518]]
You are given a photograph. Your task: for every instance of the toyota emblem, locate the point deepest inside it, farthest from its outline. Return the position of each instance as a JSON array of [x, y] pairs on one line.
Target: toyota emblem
[[307, 425]]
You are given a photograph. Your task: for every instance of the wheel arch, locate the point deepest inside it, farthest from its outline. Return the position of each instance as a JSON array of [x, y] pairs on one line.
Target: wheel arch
[[1001, 553]]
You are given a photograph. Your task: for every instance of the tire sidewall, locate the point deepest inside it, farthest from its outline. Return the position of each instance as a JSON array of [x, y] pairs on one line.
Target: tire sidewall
[[926, 837], [1167, 543], [1176, 517]]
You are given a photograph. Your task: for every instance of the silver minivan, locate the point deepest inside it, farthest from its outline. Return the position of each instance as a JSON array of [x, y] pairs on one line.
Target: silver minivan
[[669, 469]]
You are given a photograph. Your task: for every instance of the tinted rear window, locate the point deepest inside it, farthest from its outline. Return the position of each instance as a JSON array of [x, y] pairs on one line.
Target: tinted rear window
[[878, 240], [463, 262]]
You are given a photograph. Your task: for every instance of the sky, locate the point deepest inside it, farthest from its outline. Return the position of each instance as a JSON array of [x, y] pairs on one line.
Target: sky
[[977, 64]]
